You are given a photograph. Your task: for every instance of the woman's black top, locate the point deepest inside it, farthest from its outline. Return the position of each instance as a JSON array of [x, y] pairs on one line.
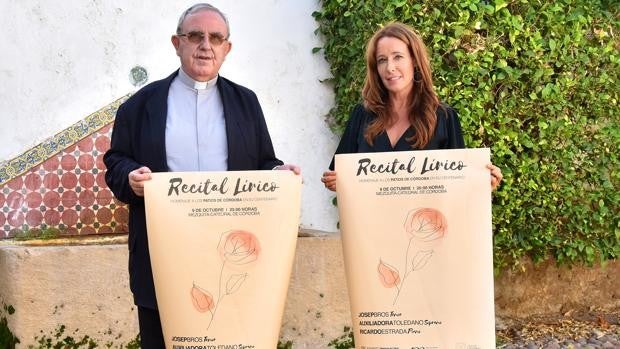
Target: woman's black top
[[447, 134]]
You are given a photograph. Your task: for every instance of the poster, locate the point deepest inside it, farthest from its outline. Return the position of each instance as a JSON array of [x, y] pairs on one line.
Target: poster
[[417, 243], [222, 246]]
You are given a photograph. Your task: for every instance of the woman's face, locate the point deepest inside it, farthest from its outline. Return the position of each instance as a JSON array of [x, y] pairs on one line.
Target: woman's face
[[394, 65]]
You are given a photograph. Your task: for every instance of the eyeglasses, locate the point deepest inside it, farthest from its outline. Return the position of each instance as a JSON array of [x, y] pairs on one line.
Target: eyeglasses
[[196, 37]]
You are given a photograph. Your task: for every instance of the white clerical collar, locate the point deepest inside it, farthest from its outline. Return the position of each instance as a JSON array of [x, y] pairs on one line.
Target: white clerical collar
[[197, 85]]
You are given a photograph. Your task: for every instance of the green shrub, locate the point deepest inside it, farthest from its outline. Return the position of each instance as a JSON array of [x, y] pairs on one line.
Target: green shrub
[[285, 345], [345, 341], [7, 338], [535, 81], [59, 339]]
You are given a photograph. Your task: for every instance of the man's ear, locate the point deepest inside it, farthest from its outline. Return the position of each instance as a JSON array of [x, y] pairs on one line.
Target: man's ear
[[175, 42]]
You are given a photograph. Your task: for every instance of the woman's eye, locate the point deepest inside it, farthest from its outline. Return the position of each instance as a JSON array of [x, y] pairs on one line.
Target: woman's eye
[[381, 60]]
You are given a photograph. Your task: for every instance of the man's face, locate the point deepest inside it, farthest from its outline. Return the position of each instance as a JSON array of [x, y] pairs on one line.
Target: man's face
[[202, 60]]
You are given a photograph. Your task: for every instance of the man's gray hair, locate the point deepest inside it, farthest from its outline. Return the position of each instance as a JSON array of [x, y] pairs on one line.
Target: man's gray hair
[[199, 8]]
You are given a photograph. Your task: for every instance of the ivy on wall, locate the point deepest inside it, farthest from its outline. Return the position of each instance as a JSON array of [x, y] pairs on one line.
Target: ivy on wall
[[538, 83]]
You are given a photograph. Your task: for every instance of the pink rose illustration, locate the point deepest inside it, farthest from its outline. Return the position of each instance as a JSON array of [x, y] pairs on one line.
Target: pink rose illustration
[[388, 275], [422, 225], [201, 299], [239, 247], [426, 224]]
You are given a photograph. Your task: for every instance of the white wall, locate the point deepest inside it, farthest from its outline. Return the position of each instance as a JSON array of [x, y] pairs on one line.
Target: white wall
[[62, 60]]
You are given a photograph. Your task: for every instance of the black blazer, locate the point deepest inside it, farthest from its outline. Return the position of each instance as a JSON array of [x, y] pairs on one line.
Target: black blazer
[[138, 139]]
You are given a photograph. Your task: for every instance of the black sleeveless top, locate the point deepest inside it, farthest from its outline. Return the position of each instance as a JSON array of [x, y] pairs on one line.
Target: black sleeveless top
[[447, 135]]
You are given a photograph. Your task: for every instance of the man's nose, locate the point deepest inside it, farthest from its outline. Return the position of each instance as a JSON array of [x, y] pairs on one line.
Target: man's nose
[[205, 43]]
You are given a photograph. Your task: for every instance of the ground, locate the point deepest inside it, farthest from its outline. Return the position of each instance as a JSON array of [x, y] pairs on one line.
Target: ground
[[572, 326]]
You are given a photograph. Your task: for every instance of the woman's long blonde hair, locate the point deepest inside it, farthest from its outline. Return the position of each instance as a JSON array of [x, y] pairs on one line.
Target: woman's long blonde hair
[[423, 100]]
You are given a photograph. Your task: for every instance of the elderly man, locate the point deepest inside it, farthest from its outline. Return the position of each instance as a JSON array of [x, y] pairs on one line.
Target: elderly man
[[194, 120]]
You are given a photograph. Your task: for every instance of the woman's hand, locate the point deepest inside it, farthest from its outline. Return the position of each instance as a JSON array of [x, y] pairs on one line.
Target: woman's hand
[[496, 176], [329, 179]]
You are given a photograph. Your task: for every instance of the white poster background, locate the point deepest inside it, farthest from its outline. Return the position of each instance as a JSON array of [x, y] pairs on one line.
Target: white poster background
[[417, 241], [222, 246]]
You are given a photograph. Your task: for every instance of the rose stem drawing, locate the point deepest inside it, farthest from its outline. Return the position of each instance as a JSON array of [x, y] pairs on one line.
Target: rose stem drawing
[[237, 248], [423, 225]]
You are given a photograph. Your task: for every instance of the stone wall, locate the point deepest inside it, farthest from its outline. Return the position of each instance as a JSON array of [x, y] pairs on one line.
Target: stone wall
[[85, 287]]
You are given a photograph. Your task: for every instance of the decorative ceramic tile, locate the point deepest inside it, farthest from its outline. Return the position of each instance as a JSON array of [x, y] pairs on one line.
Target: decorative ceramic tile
[[60, 183], [19, 165]]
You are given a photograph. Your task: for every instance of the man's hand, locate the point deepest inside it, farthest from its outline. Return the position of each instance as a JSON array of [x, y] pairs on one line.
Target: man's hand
[[289, 167], [137, 178]]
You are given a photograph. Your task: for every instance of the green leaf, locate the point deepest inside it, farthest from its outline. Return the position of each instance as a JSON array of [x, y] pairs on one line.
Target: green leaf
[[499, 4], [501, 63]]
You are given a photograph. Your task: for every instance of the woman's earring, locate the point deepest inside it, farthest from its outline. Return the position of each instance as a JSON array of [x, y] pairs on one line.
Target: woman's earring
[[417, 76]]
